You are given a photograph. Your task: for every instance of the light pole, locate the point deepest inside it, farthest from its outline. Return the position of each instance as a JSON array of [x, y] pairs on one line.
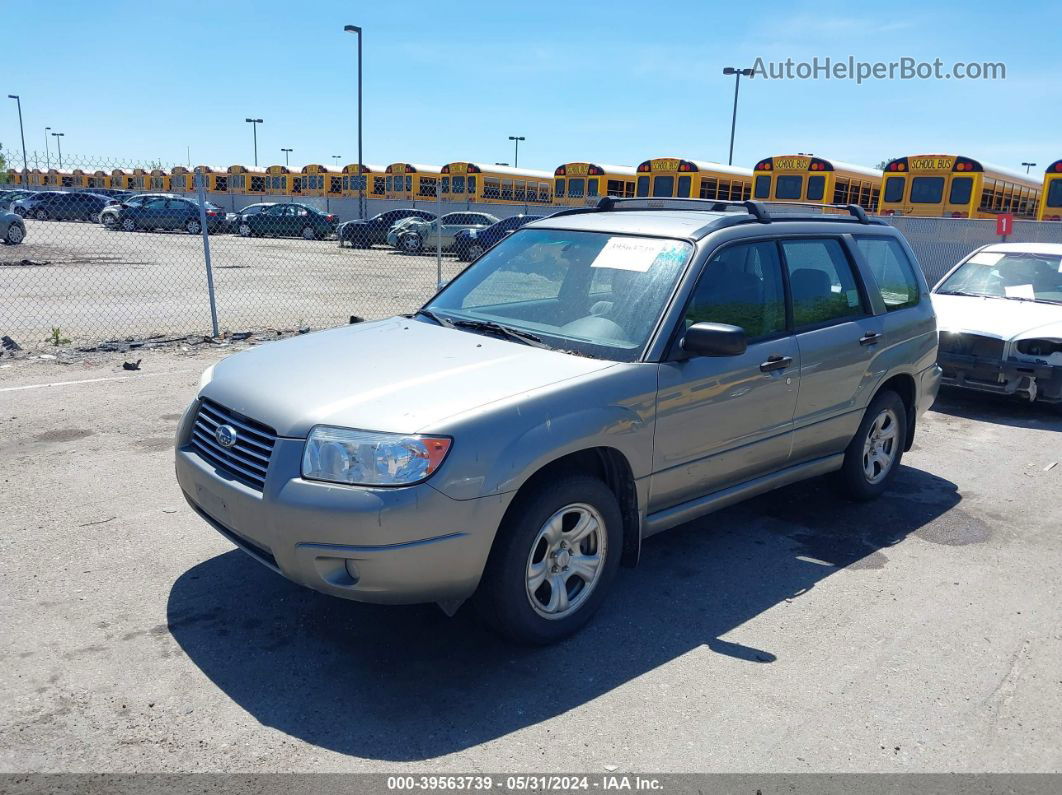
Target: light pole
[[47, 154], [254, 126], [286, 153], [59, 143], [500, 164], [361, 168], [1028, 166], [25, 162], [337, 159], [738, 73], [516, 154]]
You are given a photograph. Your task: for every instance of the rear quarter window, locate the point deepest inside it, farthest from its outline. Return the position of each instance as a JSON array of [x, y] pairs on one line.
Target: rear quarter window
[[892, 269]]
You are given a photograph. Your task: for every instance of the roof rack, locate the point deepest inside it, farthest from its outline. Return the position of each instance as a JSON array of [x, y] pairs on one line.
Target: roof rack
[[756, 209]]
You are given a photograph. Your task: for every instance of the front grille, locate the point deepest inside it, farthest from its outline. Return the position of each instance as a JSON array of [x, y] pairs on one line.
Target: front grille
[[971, 345], [248, 458]]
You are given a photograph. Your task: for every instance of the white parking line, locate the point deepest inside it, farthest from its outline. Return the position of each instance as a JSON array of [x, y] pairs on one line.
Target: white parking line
[[71, 383]]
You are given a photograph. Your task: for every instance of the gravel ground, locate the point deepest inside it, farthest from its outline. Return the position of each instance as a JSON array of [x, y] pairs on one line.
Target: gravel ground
[[795, 632], [101, 284]]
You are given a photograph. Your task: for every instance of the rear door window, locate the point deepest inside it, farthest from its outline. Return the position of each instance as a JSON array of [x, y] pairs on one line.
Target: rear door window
[[892, 269], [788, 186], [894, 189], [927, 190], [821, 281]]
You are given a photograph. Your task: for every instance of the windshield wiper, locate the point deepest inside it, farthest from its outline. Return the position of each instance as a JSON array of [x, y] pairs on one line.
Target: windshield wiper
[[497, 328], [442, 320], [966, 293]]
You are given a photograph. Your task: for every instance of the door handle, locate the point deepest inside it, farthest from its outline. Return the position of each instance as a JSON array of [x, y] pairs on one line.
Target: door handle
[[869, 338], [776, 363]]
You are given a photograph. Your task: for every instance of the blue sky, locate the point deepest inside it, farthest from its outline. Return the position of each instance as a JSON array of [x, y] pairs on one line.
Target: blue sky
[[614, 82]]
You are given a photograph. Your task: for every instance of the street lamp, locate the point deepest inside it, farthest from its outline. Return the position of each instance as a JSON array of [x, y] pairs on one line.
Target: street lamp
[[25, 162], [516, 155], [254, 126], [738, 73], [1028, 166], [361, 168], [286, 153], [500, 164], [47, 154], [59, 143], [337, 158]]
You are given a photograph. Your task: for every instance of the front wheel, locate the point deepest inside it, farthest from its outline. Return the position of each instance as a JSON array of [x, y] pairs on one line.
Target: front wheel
[[41, 215], [15, 234], [874, 454], [192, 226], [108, 220], [411, 243], [309, 233], [245, 230], [129, 225], [554, 557], [474, 252]]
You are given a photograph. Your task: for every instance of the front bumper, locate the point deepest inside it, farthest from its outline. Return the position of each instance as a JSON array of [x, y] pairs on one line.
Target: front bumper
[[392, 546], [1031, 380]]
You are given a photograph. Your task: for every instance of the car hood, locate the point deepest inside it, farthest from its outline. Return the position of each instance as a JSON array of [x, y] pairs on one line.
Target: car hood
[[396, 375], [1001, 318]]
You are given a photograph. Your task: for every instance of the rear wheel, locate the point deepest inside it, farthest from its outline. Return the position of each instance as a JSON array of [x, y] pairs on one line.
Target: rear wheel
[[245, 230], [411, 243], [555, 556], [15, 234], [309, 233], [192, 226], [108, 220], [474, 251], [129, 225], [41, 215], [874, 454]]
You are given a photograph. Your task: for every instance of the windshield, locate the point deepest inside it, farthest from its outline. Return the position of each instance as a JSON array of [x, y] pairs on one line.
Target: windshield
[[590, 293], [1015, 275]]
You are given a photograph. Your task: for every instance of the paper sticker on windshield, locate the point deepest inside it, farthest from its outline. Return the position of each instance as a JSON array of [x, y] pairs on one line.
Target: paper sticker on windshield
[[1019, 291], [986, 258], [634, 254]]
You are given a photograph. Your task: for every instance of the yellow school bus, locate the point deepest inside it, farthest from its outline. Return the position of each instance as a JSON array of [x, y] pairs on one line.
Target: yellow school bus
[[59, 179], [216, 178], [1051, 193], [246, 180], [478, 182], [410, 181], [278, 180], [312, 180], [675, 177], [956, 186], [14, 176], [98, 179], [159, 180], [182, 180], [374, 180], [576, 184], [807, 178]]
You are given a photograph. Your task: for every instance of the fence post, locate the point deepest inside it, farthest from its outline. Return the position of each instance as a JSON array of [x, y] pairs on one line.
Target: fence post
[[438, 236], [200, 178]]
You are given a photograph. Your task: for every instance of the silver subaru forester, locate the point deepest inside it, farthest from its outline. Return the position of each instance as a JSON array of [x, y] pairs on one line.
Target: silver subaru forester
[[600, 376]]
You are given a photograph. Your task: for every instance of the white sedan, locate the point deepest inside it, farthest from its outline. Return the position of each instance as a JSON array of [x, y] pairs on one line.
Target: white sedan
[[999, 313]]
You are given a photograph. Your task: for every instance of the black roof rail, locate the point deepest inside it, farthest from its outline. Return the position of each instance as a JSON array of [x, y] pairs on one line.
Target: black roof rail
[[855, 210]]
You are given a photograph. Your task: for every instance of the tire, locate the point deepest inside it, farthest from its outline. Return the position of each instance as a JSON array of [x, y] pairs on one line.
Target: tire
[[192, 226], [474, 251], [15, 235], [507, 599], [129, 225], [245, 230], [874, 454], [108, 220], [309, 233], [41, 215], [411, 243]]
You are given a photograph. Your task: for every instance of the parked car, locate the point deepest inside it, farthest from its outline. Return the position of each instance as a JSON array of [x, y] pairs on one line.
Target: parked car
[[999, 312], [162, 212], [109, 214], [235, 220], [12, 228], [288, 220], [364, 233], [595, 378], [469, 244], [413, 235], [63, 206]]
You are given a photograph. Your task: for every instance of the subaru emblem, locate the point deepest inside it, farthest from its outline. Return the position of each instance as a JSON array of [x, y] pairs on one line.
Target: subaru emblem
[[226, 436]]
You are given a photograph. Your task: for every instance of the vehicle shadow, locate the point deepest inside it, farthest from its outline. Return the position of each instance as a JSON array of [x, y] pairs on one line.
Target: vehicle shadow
[[405, 683], [998, 409]]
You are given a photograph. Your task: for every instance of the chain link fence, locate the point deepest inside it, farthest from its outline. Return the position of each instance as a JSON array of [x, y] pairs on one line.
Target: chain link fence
[[116, 251]]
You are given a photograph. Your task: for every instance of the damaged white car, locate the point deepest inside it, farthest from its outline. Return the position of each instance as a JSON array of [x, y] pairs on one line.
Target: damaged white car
[[999, 314]]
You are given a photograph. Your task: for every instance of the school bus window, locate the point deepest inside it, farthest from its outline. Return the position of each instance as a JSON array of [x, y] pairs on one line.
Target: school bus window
[[591, 187], [471, 184], [1054, 193], [257, 184], [709, 188], [864, 194], [457, 184], [507, 189], [927, 190], [894, 189], [788, 186], [575, 188], [427, 186], [816, 187], [558, 187], [491, 187], [643, 186], [664, 186], [377, 184], [335, 185], [684, 183], [763, 187], [840, 191]]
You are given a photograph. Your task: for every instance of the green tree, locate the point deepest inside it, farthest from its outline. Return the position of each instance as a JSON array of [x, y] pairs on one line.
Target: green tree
[[881, 166], [3, 165]]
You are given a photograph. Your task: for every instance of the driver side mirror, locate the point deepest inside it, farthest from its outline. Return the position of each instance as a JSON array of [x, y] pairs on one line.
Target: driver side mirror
[[714, 339]]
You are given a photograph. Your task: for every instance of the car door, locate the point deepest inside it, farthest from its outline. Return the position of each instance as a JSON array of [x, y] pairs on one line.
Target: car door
[[726, 419], [178, 212], [151, 214], [448, 226], [837, 337], [269, 221]]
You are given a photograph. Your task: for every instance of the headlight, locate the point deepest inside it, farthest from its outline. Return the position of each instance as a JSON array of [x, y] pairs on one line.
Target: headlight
[[366, 458], [472, 233], [206, 377]]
